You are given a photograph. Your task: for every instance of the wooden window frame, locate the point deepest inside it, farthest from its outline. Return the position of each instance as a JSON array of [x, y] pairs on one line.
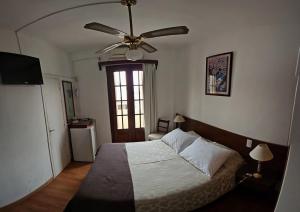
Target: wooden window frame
[[129, 68]]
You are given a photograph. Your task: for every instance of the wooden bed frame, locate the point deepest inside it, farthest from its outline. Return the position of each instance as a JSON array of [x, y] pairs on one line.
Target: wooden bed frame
[[238, 143]]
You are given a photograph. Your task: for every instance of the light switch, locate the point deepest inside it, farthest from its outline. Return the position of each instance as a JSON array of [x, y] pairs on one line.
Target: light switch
[[249, 143]]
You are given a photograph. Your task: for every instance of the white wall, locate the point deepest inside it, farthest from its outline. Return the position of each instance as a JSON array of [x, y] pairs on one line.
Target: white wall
[[262, 82], [171, 64], [92, 95], [24, 155], [53, 60], [92, 86], [289, 195]]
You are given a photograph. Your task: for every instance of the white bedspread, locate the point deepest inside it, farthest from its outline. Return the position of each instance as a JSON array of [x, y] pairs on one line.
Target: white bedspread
[[163, 181]]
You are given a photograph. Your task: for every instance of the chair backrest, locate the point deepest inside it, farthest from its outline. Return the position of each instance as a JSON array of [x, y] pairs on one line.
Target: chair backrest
[[162, 126]]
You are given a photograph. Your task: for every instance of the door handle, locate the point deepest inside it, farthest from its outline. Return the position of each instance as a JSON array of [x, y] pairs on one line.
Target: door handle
[[51, 130]]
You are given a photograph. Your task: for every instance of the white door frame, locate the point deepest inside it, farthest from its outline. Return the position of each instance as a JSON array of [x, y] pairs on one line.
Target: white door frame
[[47, 130]]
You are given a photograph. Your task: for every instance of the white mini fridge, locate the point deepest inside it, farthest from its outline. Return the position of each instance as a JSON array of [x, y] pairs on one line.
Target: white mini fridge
[[83, 140]]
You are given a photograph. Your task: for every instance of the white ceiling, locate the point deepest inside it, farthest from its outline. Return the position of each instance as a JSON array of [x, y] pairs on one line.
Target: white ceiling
[[203, 17]]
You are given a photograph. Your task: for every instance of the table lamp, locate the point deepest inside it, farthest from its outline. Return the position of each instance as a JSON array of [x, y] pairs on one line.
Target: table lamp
[[179, 119], [260, 153]]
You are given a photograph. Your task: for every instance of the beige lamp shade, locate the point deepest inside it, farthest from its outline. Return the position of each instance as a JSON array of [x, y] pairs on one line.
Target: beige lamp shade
[[179, 119], [261, 153]]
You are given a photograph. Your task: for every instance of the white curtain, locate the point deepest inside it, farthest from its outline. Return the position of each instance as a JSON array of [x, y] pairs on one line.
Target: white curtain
[[150, 102]]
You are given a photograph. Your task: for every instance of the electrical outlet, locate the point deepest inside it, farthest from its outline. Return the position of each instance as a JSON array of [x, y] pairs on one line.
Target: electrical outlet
[[249, 143]]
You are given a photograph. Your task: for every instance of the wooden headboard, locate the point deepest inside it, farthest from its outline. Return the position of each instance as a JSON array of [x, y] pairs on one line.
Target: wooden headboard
[[238, 143]]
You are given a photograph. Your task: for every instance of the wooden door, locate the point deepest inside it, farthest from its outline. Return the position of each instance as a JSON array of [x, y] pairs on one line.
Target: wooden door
[[126, 102]]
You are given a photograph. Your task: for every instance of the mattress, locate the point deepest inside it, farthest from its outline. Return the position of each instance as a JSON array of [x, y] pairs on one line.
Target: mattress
[[149, 176], [164, 181]]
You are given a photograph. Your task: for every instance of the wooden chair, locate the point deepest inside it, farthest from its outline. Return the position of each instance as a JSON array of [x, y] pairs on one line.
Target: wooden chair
[[162, 128]]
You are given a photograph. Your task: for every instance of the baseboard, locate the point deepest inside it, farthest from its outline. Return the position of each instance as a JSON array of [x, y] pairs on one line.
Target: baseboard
[[7, 207]]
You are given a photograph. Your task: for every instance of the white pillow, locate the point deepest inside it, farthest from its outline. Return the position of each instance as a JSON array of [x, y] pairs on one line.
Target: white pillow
[[206, 156], [178, 140]]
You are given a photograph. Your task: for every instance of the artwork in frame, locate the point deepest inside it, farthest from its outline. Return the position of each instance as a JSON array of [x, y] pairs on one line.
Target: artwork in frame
[[218, 74]]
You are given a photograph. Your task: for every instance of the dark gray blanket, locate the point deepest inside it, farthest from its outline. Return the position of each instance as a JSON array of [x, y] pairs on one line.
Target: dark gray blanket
[[108, 186]]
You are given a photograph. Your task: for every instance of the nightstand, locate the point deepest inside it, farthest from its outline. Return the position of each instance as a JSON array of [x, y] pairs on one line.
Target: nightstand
[[256, 194], [267, 186], [250, 194]]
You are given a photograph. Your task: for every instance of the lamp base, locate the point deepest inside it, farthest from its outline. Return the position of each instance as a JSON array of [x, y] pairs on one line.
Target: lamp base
[[257, 175]]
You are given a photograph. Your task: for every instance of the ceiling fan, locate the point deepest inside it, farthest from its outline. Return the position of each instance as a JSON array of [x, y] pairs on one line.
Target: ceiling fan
[[134, 43]]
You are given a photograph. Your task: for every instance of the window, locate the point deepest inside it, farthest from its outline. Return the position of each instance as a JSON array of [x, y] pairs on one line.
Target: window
[[126, 99], [138, 98]]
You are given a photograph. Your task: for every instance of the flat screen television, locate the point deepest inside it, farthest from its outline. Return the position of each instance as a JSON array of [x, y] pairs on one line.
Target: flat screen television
[[20, 69]]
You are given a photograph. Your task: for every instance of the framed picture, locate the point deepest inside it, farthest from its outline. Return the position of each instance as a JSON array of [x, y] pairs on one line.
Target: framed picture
[[218, 74], [69, 100]]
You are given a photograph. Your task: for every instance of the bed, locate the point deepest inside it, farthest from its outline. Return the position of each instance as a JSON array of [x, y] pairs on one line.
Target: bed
[[149, 176]]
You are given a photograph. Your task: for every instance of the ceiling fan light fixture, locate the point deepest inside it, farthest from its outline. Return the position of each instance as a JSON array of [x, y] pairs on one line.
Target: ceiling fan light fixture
[[134, 54]]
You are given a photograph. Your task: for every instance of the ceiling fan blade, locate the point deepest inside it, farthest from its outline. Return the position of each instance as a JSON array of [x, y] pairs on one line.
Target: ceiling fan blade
[[147, 47], [105, 29], [179, 30], [110, 47]]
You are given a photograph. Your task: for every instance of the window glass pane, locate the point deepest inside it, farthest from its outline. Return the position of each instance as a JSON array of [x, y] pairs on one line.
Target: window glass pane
[[125, 109], [123, 77], [137, 121], [119, 122], [142, 106], [136, 92], [124, 92], [125, 122], [136, 107], [141, 92], [116, 78], [142, 121], [118, 93], [141, 77], [135, 77], [119, 108]]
